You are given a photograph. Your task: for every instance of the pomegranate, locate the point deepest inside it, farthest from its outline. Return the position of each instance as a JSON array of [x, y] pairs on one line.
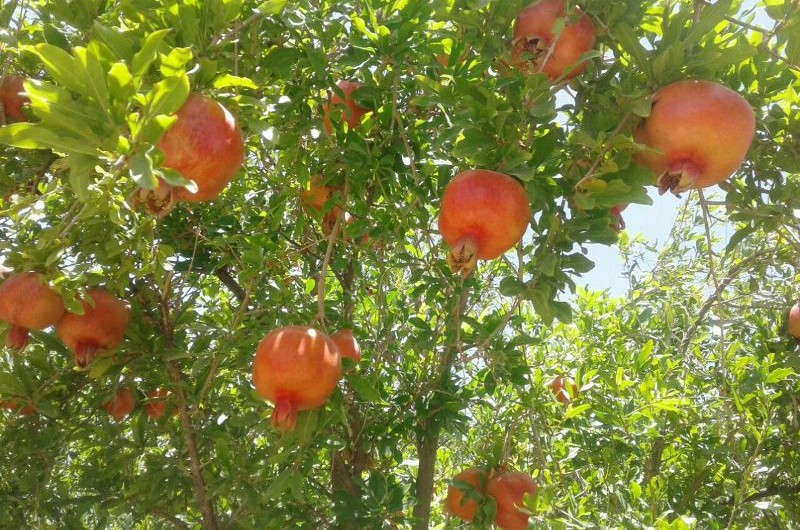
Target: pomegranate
[[13, 98], [13, 406], [296, 368], [351, 113], [536, 48], [793, 321], [464, 503], [701, 132], [347, 344], [483, 214], [508, 491], [27, 302], [316, 197], [558, 385], [156, 405], [121, 404], [204, 145], [101, 327]]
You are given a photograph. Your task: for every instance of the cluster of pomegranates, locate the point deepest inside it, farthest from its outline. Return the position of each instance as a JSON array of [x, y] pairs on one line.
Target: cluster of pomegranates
[[297, 368], [124, 401], [472, 488]]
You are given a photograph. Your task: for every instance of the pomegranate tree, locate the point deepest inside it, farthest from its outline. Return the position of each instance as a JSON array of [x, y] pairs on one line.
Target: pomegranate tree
[[296, 368], [121, 404], [508, 491], [13, 97], [698, 133], [464, 502], [347, 344], [539, 47], [483, 214], [204, 145], [27, 302], [793, 321], [100, 328], [351, 112]]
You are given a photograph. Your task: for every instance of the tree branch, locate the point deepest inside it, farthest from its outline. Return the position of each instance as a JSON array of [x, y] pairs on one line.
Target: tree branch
[[224, 275]]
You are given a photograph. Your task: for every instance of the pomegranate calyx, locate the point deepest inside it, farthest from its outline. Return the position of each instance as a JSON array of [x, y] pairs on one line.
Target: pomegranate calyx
[[17, 338], [85, 354], [678, 178], [463, 257], [159, 202], [284, 417]]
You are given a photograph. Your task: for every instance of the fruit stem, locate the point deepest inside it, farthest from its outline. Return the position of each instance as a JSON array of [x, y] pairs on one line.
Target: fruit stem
[[85, 353], [284, 417], [463, 256], [679, 177], [17, 338]]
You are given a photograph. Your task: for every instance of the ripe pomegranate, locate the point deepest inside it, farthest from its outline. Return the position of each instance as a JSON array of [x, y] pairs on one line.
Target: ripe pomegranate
[[483, 214], [156, 405], [793, 321], [101, 327], [456, 504], [13, 98], [204, 145], [27, 302], [508, 490], [558, 385], [545, 51], [13, 406], [351, 113], [701, 131], [121, 404], [296, 368], [347, 344], [316, 197]]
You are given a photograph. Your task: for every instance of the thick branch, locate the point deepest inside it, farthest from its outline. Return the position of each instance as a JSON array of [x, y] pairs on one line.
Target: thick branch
[[224, 275]]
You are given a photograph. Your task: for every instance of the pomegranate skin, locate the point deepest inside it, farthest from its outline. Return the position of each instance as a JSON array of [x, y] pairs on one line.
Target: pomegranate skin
[[99, 329], [347, 344], [204, 145], [483, 214], [157, 404], [702, 131], [793, 321], [13, 97], [27, 302], [296, 368], [533, 34], [455, 503], [351, 113], [558, 385], [508, 491], [121, 404]]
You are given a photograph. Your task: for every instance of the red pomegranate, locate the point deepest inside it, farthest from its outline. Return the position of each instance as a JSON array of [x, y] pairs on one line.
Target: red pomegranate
[[483, 214], [13, 97], [296, 368], [536, 48], [793, 321], [464, 503], [204, 145], [701, 132], [347, 344], [13, 406], [351, 113], [618, 222], [156, 404], [508, 491], [101, 327], [315, 198], [121, 404], [558, 385], [27, 302]]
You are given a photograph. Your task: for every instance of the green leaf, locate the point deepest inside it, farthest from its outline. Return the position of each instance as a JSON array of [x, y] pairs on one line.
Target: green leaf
[[63, 68], [94, 76], [116, 41], [778, 375], [271, 7], [141, 170], [168, 95], [144, 57], [35, 136], [364, 388], [228, 80], [81, 169]]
